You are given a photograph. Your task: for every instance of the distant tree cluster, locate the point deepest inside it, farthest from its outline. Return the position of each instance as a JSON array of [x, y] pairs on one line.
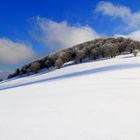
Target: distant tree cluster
[[91, 50]]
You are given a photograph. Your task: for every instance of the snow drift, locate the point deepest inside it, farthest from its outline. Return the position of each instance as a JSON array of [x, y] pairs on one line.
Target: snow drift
[[95, 100]]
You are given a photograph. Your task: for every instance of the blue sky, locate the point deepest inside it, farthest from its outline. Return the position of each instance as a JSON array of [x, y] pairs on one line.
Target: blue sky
[[32, 28]]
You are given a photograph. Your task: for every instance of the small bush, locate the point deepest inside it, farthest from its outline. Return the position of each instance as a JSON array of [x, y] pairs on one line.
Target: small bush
[[135, 52], [28, 70], [35, 67]]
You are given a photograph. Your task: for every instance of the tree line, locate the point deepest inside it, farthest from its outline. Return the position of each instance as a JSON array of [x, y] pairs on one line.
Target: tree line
[[91, 50]]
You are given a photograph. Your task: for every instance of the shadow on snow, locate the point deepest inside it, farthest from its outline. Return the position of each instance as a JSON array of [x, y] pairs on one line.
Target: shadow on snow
[[70, 75]]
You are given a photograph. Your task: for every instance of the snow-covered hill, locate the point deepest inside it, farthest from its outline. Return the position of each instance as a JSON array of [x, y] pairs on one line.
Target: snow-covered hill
[[90, 101]]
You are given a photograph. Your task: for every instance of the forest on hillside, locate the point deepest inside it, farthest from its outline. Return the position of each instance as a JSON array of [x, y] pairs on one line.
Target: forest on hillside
[[91, 50]]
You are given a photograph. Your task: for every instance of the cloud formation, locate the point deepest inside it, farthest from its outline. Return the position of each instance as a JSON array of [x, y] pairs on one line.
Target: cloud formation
[[56, 35], [14, 52], [133, 35], [131, 19]]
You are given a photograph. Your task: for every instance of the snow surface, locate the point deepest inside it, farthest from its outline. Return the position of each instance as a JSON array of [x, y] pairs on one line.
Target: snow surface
[[90, 101]]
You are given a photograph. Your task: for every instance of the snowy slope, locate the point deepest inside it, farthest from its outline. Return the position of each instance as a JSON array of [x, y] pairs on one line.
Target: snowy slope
[[90, 101]]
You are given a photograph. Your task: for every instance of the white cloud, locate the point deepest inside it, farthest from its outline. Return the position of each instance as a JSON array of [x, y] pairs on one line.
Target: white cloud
[[14, 52], [120, 35], [134, 35], [57, 35], [131, 19]]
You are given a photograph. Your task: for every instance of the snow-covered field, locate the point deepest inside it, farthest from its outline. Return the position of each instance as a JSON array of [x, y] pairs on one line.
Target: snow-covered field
[[90, 101]]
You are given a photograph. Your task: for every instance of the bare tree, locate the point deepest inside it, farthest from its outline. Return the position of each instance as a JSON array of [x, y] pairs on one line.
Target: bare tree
[[59, 63]]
